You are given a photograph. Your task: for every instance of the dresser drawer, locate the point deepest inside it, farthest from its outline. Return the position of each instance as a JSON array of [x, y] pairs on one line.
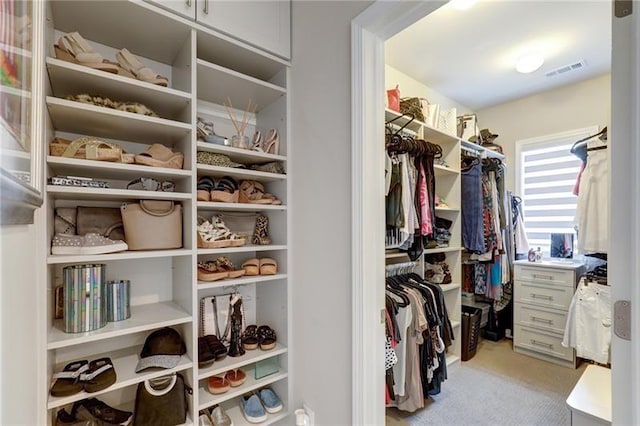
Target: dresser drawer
[[542, 318], [535, 340], [542, 275], [550, 296]]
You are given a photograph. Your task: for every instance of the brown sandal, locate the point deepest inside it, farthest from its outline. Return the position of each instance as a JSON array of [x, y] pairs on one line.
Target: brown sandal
[[218, 384], [252, 192], [224, 264], [158, 155], [251, 267], [268, 266], [236, 377], [209, 271]]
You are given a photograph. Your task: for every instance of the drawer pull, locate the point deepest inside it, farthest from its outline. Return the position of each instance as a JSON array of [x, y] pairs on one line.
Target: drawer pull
[[541, 296], [544, 320], [188, 3], [206, 7], [543, 277], [537, 343]]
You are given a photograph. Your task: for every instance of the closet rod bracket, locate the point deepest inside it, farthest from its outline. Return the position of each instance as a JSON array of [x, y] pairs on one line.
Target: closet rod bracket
[[622, 319]]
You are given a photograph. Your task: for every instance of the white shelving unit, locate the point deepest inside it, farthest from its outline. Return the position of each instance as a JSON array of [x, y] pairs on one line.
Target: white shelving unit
[[204, 68]]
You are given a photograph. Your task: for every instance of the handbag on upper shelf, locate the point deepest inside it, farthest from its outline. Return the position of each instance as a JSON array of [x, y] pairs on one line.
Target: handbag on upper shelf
[[152, 224]]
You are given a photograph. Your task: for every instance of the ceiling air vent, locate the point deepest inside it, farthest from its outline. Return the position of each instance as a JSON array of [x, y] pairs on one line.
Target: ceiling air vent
[[567, 68]]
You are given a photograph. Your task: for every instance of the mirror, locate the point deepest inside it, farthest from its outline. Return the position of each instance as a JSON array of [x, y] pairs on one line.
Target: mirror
[[561, 246]]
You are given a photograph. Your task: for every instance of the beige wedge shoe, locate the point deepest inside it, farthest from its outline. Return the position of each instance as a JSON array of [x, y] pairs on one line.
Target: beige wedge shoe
[[75, 49]]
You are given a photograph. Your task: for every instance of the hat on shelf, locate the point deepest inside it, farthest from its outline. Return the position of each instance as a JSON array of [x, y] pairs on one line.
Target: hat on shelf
[[213, 159], [162, 349], [486, 136]]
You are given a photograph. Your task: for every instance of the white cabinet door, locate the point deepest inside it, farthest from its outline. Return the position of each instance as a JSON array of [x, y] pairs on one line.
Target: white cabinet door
[[265, 24], [183, 7]]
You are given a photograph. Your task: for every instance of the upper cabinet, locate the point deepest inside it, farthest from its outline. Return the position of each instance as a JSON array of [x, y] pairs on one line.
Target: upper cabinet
[[264, 23], [183, 7]]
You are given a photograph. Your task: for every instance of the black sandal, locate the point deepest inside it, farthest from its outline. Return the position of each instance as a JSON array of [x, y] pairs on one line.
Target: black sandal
[[266, 337], [250, 338]]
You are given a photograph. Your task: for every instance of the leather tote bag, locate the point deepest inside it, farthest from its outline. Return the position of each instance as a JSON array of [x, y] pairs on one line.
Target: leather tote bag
[[152, 225], [161, 401], [101, 220]]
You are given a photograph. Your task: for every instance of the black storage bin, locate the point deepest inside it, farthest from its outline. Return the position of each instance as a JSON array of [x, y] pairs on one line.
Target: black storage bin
[[470, 331]]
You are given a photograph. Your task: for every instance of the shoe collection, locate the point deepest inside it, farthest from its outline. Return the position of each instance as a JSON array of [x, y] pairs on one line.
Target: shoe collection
[[92, 412], [72, 47], [227, 190], [91, 148], [85, 376], [255, 405], [263, 337]]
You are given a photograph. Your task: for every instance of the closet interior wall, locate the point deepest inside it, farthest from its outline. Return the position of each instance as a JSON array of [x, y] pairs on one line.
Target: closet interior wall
[[204, 68]]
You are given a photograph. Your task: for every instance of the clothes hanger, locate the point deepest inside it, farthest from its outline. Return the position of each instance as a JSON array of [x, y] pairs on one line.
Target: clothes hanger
[[583, 141]]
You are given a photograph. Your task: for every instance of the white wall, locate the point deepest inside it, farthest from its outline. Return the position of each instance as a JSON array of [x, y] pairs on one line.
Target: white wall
[[321, 208], [583, 104], [19, 326], [410, 87]]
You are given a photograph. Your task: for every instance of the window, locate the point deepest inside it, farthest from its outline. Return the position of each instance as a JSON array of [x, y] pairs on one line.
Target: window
[[546, 173]]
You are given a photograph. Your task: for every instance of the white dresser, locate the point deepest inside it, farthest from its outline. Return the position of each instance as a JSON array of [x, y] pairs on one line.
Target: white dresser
[[542, 295]]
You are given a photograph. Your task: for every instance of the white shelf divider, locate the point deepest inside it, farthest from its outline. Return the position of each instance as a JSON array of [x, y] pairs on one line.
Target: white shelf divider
[[442, 250], [240, 173], [449, 287], [243, 249], [230, 363], [203, 285], [207, 205], [123, 255], [86, 119], [79, 193], [106, 169], [143, 318], [235, 413], [239, 155]]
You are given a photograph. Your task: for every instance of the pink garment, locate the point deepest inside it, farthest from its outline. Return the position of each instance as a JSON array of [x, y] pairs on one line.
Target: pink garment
[[576, 188], [426, 227]]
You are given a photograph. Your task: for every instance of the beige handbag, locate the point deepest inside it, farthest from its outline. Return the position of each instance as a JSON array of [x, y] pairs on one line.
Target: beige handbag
[[152, 225]]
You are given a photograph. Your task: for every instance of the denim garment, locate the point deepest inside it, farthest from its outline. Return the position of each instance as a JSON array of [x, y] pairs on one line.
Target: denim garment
[[472, 215]]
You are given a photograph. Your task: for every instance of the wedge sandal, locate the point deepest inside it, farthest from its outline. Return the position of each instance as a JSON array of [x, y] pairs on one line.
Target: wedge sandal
[[205, 185], [158, 155], [251, 267], [268, 266], [223, 263], [209, 271], [249, 338], [217, 235], [252, 192], [131, 66], [89, 148], [72, 47], [225, 190], [266, 337]]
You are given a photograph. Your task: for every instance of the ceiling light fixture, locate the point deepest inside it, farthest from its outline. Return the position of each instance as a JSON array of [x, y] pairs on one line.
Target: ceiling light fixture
[[462, 4], [529, 63]]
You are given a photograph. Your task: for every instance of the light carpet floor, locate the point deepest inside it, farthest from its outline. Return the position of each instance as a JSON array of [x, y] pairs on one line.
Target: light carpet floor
[[497, 387]]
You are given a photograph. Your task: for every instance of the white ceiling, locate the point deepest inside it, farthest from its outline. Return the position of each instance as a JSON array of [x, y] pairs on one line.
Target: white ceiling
[[469, 56]]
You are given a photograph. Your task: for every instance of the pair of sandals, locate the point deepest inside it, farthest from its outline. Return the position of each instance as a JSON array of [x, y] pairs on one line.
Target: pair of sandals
[[216, 234], [72, 47], [269, 145], [254, 337], [221, 268], [158, 155], [82, 375], [210, 349], [89, 148], [253, 192], [225, 190], [264, 266], [221, 383]]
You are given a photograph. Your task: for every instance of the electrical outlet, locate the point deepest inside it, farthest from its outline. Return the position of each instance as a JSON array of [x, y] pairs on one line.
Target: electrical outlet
[[309, 413]]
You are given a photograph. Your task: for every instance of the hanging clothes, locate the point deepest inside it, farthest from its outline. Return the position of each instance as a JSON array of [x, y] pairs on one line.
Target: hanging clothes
[[472, 226], [588, 327], [592, 210]]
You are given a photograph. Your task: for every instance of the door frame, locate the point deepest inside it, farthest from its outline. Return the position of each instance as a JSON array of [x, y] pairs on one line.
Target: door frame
[[369, 31]]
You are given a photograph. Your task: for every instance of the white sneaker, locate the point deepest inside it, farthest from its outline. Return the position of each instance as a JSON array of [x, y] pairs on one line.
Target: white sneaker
[[88, 244], [204, 419]]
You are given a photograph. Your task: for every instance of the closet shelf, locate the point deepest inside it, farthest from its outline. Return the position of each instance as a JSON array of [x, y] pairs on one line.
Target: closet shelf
[[452, 359], [239, 155], [76, 193], [235, 413], [207, 399], [70, 79], [446, 209], [244, 249], [237, 173], [442, 250], [205, 205], [124, 363], [449, 287], [215, 82], [489, 153], [249, 357], [85, 119], [415, 125], [109, 170], [203, 285], [394, 255], [442, 170], [125, 255], [143, 318]]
